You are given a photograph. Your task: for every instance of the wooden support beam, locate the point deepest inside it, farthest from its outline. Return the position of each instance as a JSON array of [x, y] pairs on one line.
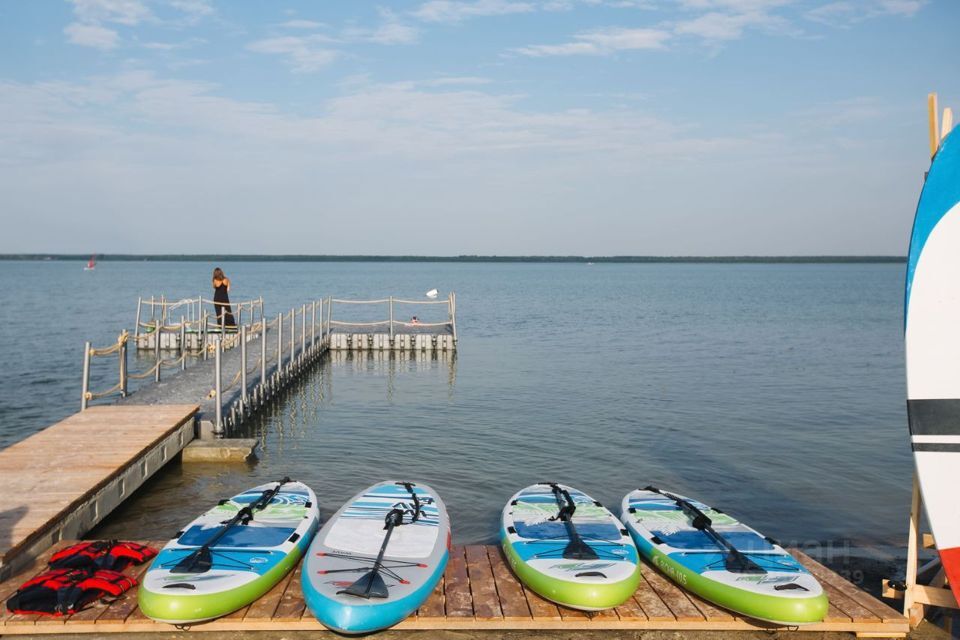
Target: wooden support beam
[[934, 126]]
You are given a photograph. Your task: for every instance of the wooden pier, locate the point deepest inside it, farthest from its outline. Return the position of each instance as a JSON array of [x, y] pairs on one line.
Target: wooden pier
[[62, 481], [479, 592]]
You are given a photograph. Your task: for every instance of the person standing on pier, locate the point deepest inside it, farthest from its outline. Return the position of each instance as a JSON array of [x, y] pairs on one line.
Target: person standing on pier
[[221, 300]]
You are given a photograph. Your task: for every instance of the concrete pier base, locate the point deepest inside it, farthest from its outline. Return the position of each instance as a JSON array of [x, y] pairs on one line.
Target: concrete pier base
[[224, 450]]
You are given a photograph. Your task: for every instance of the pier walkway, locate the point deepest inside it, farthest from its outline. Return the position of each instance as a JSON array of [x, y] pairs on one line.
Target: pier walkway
[[62, 481], [479, 592]]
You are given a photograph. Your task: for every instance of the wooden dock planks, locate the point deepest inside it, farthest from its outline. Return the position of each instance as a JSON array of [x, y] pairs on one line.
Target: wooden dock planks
[[56, 474], [480, 592]]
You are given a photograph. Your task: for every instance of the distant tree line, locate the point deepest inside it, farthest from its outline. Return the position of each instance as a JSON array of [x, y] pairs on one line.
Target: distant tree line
[[461, 258]]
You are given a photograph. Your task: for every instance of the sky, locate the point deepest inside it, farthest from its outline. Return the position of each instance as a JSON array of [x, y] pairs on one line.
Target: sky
[[448, 127]]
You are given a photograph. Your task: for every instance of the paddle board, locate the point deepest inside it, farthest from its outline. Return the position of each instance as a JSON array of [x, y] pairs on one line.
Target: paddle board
[[932, 334], [183, 587], [769, 584], [580, 558], [337, 575]]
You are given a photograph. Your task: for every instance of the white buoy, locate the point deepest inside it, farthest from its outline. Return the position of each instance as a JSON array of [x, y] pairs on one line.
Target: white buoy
[[432, 293]]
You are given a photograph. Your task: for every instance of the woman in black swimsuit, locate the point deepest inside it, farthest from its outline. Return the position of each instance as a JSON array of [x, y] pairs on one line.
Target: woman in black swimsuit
[[221, 301]]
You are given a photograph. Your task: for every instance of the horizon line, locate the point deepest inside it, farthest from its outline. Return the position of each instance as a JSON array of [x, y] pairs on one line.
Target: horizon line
[[200, 257]]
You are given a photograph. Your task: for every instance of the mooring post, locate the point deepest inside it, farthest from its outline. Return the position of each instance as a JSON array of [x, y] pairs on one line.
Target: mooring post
[[293, 335], [156, 349], [243, 366], [452, 304], [391, 319], [263, 358], [123, 368], [203, 334], [136, 327], [218, 425], [329, 314], [183, 344], [279, 346], [85, 386]]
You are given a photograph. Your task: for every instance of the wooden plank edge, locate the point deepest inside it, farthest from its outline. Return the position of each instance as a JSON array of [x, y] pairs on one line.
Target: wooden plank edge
[[45, 528]]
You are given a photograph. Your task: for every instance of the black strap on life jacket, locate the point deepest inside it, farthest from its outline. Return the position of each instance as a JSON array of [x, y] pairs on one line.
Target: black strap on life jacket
[[101, 554], [61, 592]]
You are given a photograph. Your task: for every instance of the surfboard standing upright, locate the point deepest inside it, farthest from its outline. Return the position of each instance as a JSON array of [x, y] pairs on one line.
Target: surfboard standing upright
[[378, 558], [231, 555], [932, 337], [569, 548]]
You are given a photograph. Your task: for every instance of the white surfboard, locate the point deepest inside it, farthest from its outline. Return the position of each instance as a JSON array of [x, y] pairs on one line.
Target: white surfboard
[[932, 334]]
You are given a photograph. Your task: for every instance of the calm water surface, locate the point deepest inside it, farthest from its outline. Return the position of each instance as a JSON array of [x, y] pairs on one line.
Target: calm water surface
[[773, 391]]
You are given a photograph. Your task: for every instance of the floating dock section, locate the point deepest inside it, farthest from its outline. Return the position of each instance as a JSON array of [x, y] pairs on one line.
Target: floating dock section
[[60, 482], [392, 324], [479, 592]]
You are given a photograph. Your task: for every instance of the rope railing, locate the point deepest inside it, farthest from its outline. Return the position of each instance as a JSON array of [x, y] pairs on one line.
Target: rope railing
[[392, 322]]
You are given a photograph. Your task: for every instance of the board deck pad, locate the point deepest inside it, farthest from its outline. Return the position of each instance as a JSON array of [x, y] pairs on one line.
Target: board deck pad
[[246, 562], [537, 544], [778, 590], [932, 341], [346, 549]]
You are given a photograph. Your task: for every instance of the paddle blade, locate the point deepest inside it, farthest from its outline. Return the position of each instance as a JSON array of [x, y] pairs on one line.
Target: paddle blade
[[200, 561], [739, 563], [577, 549], [369, 585]]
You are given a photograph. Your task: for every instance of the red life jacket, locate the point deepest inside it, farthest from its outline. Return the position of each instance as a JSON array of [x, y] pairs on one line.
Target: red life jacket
[[101, 554], [62, 592]]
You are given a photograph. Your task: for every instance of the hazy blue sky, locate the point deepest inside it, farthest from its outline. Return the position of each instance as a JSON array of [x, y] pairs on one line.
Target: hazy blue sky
[[666, 127]]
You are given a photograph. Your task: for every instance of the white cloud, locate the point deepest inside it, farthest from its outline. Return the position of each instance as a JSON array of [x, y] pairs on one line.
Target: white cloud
[[843, 13], [455, 81], [91, 35], [453, 11], [390, 31], [125, 12], [602, 42], [195, 8], [305, 54], [301, 24], [724, 26]]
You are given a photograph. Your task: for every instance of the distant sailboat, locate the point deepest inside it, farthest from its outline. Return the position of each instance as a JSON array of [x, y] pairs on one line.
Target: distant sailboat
[[91, 263]]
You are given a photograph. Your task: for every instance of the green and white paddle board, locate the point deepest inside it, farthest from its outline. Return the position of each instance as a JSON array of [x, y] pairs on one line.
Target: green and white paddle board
[[568, 548], [758, 579], [185, 585]]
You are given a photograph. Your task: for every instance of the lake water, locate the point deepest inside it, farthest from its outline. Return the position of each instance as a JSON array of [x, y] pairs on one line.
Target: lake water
[[774, 391]]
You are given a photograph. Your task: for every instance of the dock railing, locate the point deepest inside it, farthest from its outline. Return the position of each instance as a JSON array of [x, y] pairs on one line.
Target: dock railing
[[203, 347], [305, 328], [390, 322], [188, 313]]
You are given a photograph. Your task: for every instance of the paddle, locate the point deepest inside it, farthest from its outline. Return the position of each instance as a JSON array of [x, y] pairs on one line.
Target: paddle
[[370, 584], [736, 562], [576, 549], [201, 560]]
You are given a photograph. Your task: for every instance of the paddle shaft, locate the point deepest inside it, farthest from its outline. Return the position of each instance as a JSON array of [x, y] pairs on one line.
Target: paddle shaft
[[702, 522], [245, 515], [577, 548]]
